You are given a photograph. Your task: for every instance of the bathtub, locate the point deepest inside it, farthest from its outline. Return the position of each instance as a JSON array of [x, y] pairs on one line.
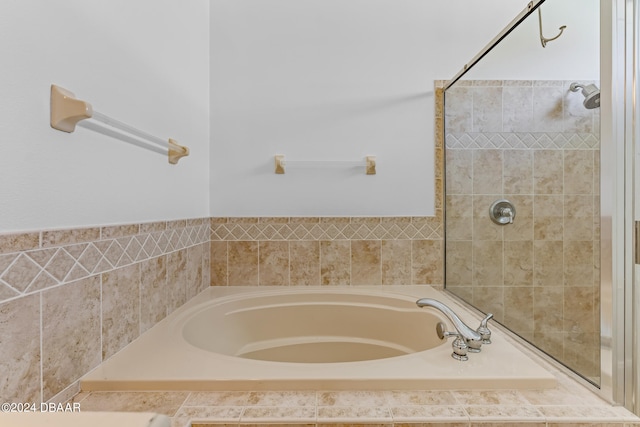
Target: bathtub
[[302, 338]]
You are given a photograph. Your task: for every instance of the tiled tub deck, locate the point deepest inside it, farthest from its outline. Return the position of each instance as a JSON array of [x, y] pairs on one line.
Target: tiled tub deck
[[568, 404]]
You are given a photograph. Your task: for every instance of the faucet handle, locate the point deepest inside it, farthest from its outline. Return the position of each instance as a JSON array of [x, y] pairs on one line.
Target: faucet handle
[[484, 331]]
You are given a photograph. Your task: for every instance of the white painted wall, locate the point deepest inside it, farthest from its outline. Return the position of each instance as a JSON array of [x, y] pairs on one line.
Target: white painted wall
[[314, 80], [575, 55], [326, 80], [144, 62]]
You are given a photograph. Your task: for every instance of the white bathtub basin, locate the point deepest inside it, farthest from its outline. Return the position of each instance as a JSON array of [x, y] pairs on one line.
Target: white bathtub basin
[[268, 338]]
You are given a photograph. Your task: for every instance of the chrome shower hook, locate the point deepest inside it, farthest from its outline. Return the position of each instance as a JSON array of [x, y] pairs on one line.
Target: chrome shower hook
[[543, 39]]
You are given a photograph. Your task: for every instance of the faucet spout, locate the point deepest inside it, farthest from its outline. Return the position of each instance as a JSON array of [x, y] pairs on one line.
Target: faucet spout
[[473, 338]]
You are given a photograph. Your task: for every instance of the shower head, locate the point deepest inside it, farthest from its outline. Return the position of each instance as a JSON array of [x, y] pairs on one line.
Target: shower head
[[590, 92]]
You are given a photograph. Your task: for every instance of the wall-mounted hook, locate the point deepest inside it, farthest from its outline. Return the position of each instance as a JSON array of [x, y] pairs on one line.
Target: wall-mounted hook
[[543, 39]]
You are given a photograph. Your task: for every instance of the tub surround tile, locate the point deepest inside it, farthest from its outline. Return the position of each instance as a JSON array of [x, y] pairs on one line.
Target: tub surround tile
[[177, 279], [218, 263], [489, 397], [153, 292], [166, 403], [189, 416], [120, 308], [426, 262], [19, 242], [504, 413], [334, 262], [70, 315], [395, 262], [352, 398], [20, 344], [420, 397], [64, 268], [70, 236], [366, 262], [195, 268], [268, 414], [394, 408], [274, 263], [243, 263], [353, 414], [435, 413], [304, 263]]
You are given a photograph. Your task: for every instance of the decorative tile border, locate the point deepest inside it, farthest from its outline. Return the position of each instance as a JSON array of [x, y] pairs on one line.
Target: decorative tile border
[[527, 140], [326, 228], [31, 262]]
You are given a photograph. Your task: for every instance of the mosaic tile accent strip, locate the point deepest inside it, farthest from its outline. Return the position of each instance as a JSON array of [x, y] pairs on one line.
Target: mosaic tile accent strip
[[529, 140], [356, 228], [66, 255]]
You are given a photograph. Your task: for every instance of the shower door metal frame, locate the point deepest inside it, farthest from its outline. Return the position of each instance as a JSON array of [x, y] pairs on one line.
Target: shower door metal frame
[[619, 41]]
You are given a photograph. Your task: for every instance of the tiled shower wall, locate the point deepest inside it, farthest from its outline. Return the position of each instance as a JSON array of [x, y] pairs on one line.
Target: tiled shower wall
[[534, 143], [70, 299]]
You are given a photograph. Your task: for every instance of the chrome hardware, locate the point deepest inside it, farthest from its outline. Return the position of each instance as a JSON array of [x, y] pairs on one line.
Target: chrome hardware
[[460, 347], [484, 331], [467, 339], [502, 212]]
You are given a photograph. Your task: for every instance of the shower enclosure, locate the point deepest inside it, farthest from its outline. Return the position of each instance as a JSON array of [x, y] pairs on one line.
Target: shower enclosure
[[527, 233]]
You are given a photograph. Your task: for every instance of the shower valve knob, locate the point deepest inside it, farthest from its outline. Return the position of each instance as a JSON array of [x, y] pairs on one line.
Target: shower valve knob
[[502, 212]]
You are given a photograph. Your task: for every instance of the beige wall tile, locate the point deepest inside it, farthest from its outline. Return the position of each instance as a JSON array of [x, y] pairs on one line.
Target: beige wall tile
[[162, 402], [578, 171], [518, 309], [483, 227], [488, 263], [517, 110], [491, 300], [116, 231], [274, 263], [177, 279], [548, 175], [487, 171], [548, 223], [518, 263], [459, 218], [69, 236], [396, 262], [427, 262], [194, 271], [459, 263], [578, 217], [304, 263], [547, 111], [70, 333], [487, 109], [19, 242], [580, 312], [21, 273], [153, 292], [120, 308], [20, 343], [548, 266], [366, 268], [243, 263], [218, 263], [518, 171], [578, 263], [547, 309], [522, 227], [335, 262], [459, 111], [459, 172]]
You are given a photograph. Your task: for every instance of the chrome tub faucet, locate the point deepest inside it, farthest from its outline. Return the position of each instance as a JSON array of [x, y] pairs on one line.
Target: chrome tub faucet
[[467, 339]]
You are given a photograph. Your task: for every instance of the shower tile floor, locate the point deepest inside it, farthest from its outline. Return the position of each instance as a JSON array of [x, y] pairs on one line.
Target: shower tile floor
[[569, 403]]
